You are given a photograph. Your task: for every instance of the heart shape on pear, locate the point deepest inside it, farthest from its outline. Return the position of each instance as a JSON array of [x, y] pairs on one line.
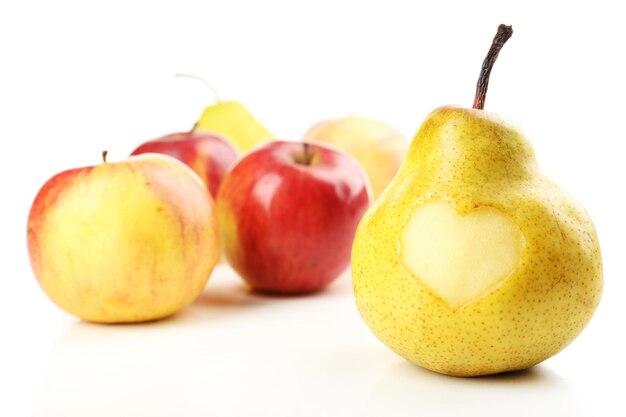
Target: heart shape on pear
[[460, 258]]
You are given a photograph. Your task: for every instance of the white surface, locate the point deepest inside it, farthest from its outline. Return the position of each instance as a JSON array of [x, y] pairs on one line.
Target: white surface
[[76, 78]]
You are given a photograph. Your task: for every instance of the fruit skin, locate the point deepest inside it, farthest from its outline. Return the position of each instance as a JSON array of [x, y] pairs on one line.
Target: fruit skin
[[128, 241], [378, 147], [472, 158], [288, 227], [232, 120], [209, 155]]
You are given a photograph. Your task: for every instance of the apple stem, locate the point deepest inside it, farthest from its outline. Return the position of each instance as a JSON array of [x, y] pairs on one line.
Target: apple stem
[[104, 156], [203, 81], [306, 158], [503, 35]]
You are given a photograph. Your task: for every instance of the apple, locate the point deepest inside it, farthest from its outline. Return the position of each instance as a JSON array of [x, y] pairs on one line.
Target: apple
[[127, 241], [209, 155], [378, 147], [288, 212]]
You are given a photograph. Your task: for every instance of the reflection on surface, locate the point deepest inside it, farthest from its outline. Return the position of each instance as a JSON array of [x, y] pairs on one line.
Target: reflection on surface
[[238, 353], [204, 358], [533, 392]]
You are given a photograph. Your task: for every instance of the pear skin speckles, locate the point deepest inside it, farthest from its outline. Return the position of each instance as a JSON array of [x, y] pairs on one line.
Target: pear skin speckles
[[473, 159]]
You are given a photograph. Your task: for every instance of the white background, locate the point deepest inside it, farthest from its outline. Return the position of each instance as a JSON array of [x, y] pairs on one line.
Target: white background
[[76, 78]]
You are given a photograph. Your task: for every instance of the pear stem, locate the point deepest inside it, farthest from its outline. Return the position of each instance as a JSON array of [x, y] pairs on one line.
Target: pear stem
[[503, 35], [104, 156], [203, 81]]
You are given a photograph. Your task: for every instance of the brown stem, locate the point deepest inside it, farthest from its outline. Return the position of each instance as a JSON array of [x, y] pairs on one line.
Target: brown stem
[[503, 35], [306, 153], [104, 156], [306, 158]]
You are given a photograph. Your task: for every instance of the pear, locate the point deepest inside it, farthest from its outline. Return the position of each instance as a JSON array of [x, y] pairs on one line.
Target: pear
[[232, 120], [472, 261], [235, 122]]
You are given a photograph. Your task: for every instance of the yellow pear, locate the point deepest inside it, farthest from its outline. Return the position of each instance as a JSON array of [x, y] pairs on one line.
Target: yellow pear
[[472, 262], [235, 122], [230, 119]]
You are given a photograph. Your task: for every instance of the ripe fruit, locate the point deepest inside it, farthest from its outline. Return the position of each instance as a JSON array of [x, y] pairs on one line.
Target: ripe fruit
[[235, 122], [378, 147], [127, 241], [473, 262], [208, 154], [288, 212], [231, 120]]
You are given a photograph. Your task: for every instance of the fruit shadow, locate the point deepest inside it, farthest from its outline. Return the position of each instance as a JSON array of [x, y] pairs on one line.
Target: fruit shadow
[[241, 295], [534, 375], [220, 301], [411, 374], [227, 295], [224, 296], [537, 390]]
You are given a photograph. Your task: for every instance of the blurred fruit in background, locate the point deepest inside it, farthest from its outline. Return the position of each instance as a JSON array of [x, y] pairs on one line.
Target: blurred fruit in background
[[378, 147], [208, 154]]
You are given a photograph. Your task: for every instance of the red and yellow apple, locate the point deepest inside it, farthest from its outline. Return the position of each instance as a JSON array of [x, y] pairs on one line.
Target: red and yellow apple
[[208, 154], [127, 241], [288, 213], [378, 147]]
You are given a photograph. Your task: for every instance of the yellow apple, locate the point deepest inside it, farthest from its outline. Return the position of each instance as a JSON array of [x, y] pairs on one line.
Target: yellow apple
[[378, 147], [128, 241]]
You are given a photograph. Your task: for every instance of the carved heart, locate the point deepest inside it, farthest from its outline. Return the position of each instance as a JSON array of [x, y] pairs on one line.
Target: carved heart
[[460, 258]]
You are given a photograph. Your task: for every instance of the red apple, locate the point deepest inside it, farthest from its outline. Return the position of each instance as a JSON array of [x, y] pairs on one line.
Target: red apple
[[209, 155], [288, 213]]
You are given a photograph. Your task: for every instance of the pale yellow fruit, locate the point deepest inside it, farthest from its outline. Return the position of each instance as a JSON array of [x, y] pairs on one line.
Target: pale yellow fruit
[[378, 147], [460, 258], [232, 120], [127, 241], [473, 262]]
